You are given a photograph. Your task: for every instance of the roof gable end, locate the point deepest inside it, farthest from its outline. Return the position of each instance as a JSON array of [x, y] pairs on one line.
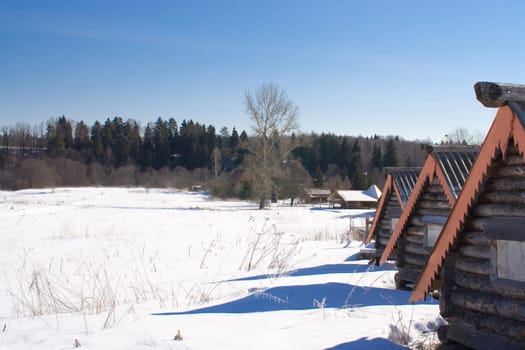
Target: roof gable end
[[387, 190], [451, 165], [506, 126]]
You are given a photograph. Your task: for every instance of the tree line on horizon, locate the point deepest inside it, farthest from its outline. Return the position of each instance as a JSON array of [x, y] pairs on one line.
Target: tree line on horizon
[[165, 153]]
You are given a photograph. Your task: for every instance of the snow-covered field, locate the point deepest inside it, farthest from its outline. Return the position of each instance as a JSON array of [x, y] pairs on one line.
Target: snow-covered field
[[114, 268]]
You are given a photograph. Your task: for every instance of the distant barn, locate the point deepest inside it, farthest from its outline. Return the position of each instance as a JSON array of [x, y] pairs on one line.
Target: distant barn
[[355, 199], [427, 209], [480, 255], [398, 187]]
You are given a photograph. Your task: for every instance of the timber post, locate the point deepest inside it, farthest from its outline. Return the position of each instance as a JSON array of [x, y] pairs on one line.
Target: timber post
[[499, 94]]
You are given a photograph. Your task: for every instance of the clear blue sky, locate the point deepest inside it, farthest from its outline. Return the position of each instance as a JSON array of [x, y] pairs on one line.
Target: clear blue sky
[[353, 67]]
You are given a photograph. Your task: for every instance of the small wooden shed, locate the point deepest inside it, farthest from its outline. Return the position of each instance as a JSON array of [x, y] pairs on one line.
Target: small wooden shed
[[397, 189], [480, 255], [316, 195], [437, 187]]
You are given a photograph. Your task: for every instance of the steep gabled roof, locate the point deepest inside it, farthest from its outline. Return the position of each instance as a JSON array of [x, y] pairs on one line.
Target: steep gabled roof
[[373, 191], [506, 126], [401, 181], [404, 180], [451, 165]]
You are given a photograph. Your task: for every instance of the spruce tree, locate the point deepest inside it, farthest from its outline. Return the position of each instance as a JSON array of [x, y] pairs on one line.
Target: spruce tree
[[390, 157]]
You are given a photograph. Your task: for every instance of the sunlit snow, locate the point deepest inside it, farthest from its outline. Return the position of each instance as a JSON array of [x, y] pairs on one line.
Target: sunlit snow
[[115, 268]]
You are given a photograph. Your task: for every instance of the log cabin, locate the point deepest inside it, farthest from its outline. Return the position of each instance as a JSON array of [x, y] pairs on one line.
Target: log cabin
[[397, 189], [480, 255], [316, 195], [435, 191]]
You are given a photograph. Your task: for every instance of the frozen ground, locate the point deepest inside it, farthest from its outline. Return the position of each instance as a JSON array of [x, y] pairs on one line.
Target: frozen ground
[[128, 268]]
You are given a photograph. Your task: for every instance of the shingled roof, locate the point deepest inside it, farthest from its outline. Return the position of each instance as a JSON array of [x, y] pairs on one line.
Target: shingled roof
[[451, 165], [507, 125], [401, 181]]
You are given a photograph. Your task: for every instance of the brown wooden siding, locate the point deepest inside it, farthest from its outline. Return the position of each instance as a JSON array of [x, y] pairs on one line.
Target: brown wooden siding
[[474, 297], [431, 208], [391, 211]]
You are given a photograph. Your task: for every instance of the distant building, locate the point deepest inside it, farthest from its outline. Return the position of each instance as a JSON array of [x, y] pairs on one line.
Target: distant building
[[355, 199], [316, 195]]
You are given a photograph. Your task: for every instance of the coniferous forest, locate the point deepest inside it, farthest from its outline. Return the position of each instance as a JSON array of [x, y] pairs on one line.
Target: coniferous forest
[[187, 154]]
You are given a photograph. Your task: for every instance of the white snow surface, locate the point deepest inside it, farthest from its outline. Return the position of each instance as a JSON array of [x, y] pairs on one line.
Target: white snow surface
[[119, 268]]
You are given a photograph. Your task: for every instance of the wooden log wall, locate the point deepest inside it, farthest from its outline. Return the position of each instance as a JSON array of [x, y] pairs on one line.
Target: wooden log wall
[[432, 208], [476, 296], [384, 229]]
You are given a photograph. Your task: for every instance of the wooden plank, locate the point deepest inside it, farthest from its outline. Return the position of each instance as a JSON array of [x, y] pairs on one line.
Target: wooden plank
[[491, 324], [392, 212], [443, 212], [476, 224], [474, 265], [383, 241], [487, 303], [508, 228], [497, 209], [510, 171], [408, 275], [474, 338], [416, 230], [498, 94], [418, 260], [435, 188], [512, 196], [422, 220], [426, 204], [482, 282], [506, 184], [416, 239], [417, 249], [475, 251], [385, 225], [474, 238], [436, 196], [448, 275], [385, 234]]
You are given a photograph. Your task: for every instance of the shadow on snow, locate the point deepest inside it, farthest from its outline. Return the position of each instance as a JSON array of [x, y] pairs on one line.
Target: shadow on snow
[[306, 297], [321, 270], [369, 344]]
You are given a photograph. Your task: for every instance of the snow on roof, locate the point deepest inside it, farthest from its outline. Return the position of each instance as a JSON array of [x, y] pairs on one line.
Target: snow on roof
[[355, 196], [373, 191]]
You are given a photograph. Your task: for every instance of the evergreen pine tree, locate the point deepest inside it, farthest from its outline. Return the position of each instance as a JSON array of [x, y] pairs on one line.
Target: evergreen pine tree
[[390, 157], [96, 140], [377, 159]]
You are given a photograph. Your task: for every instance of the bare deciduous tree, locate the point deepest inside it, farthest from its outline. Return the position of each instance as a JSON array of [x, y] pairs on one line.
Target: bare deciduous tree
[[274, 116], [458, 136], [462, 136]]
